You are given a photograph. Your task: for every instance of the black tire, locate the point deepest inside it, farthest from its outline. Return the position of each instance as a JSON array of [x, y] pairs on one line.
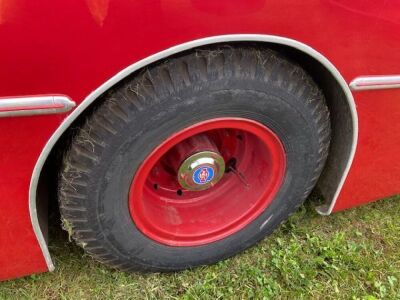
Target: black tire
[[140, 112]]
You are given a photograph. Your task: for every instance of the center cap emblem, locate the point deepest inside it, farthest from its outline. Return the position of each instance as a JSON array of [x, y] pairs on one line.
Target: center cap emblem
[[201, 171], [203, 175]]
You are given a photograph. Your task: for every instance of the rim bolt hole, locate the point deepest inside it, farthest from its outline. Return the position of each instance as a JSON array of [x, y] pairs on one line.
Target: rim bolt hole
[[239, 137], [155, 186], [230, 165], [179, 192]]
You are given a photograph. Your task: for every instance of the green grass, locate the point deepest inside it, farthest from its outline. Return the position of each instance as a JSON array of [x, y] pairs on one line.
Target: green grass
[[350, 255]]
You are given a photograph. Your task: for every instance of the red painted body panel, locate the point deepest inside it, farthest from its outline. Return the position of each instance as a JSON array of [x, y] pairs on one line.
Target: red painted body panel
[[375, 172], [72, 47]]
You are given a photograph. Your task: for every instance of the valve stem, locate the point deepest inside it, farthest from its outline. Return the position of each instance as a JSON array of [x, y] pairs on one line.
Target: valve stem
[[240, 175]]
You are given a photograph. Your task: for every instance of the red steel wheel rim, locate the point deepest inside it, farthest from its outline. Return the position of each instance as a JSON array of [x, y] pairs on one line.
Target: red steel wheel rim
[[167, 213]]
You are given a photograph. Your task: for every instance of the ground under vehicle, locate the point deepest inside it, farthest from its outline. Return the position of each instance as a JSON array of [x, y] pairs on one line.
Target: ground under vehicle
[[60, 61]]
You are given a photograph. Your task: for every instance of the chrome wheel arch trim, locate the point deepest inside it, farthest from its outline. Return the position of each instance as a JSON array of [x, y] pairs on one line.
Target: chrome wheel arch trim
[[324, 210]]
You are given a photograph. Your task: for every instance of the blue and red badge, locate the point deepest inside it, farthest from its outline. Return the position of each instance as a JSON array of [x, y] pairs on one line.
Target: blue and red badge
[[203, 175]]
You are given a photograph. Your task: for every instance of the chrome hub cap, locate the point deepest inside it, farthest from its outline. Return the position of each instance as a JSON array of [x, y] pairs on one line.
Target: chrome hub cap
[[201, 171]]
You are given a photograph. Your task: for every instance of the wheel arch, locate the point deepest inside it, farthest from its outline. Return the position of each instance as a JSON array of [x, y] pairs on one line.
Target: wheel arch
[[337, 92]]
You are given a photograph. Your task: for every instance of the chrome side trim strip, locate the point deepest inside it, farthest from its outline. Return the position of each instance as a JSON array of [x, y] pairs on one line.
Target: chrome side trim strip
[[375, 83], [171, 51], [34, 105]]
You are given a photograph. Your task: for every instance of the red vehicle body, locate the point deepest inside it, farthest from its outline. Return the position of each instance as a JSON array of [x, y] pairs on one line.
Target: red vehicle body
[[77, 49]]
